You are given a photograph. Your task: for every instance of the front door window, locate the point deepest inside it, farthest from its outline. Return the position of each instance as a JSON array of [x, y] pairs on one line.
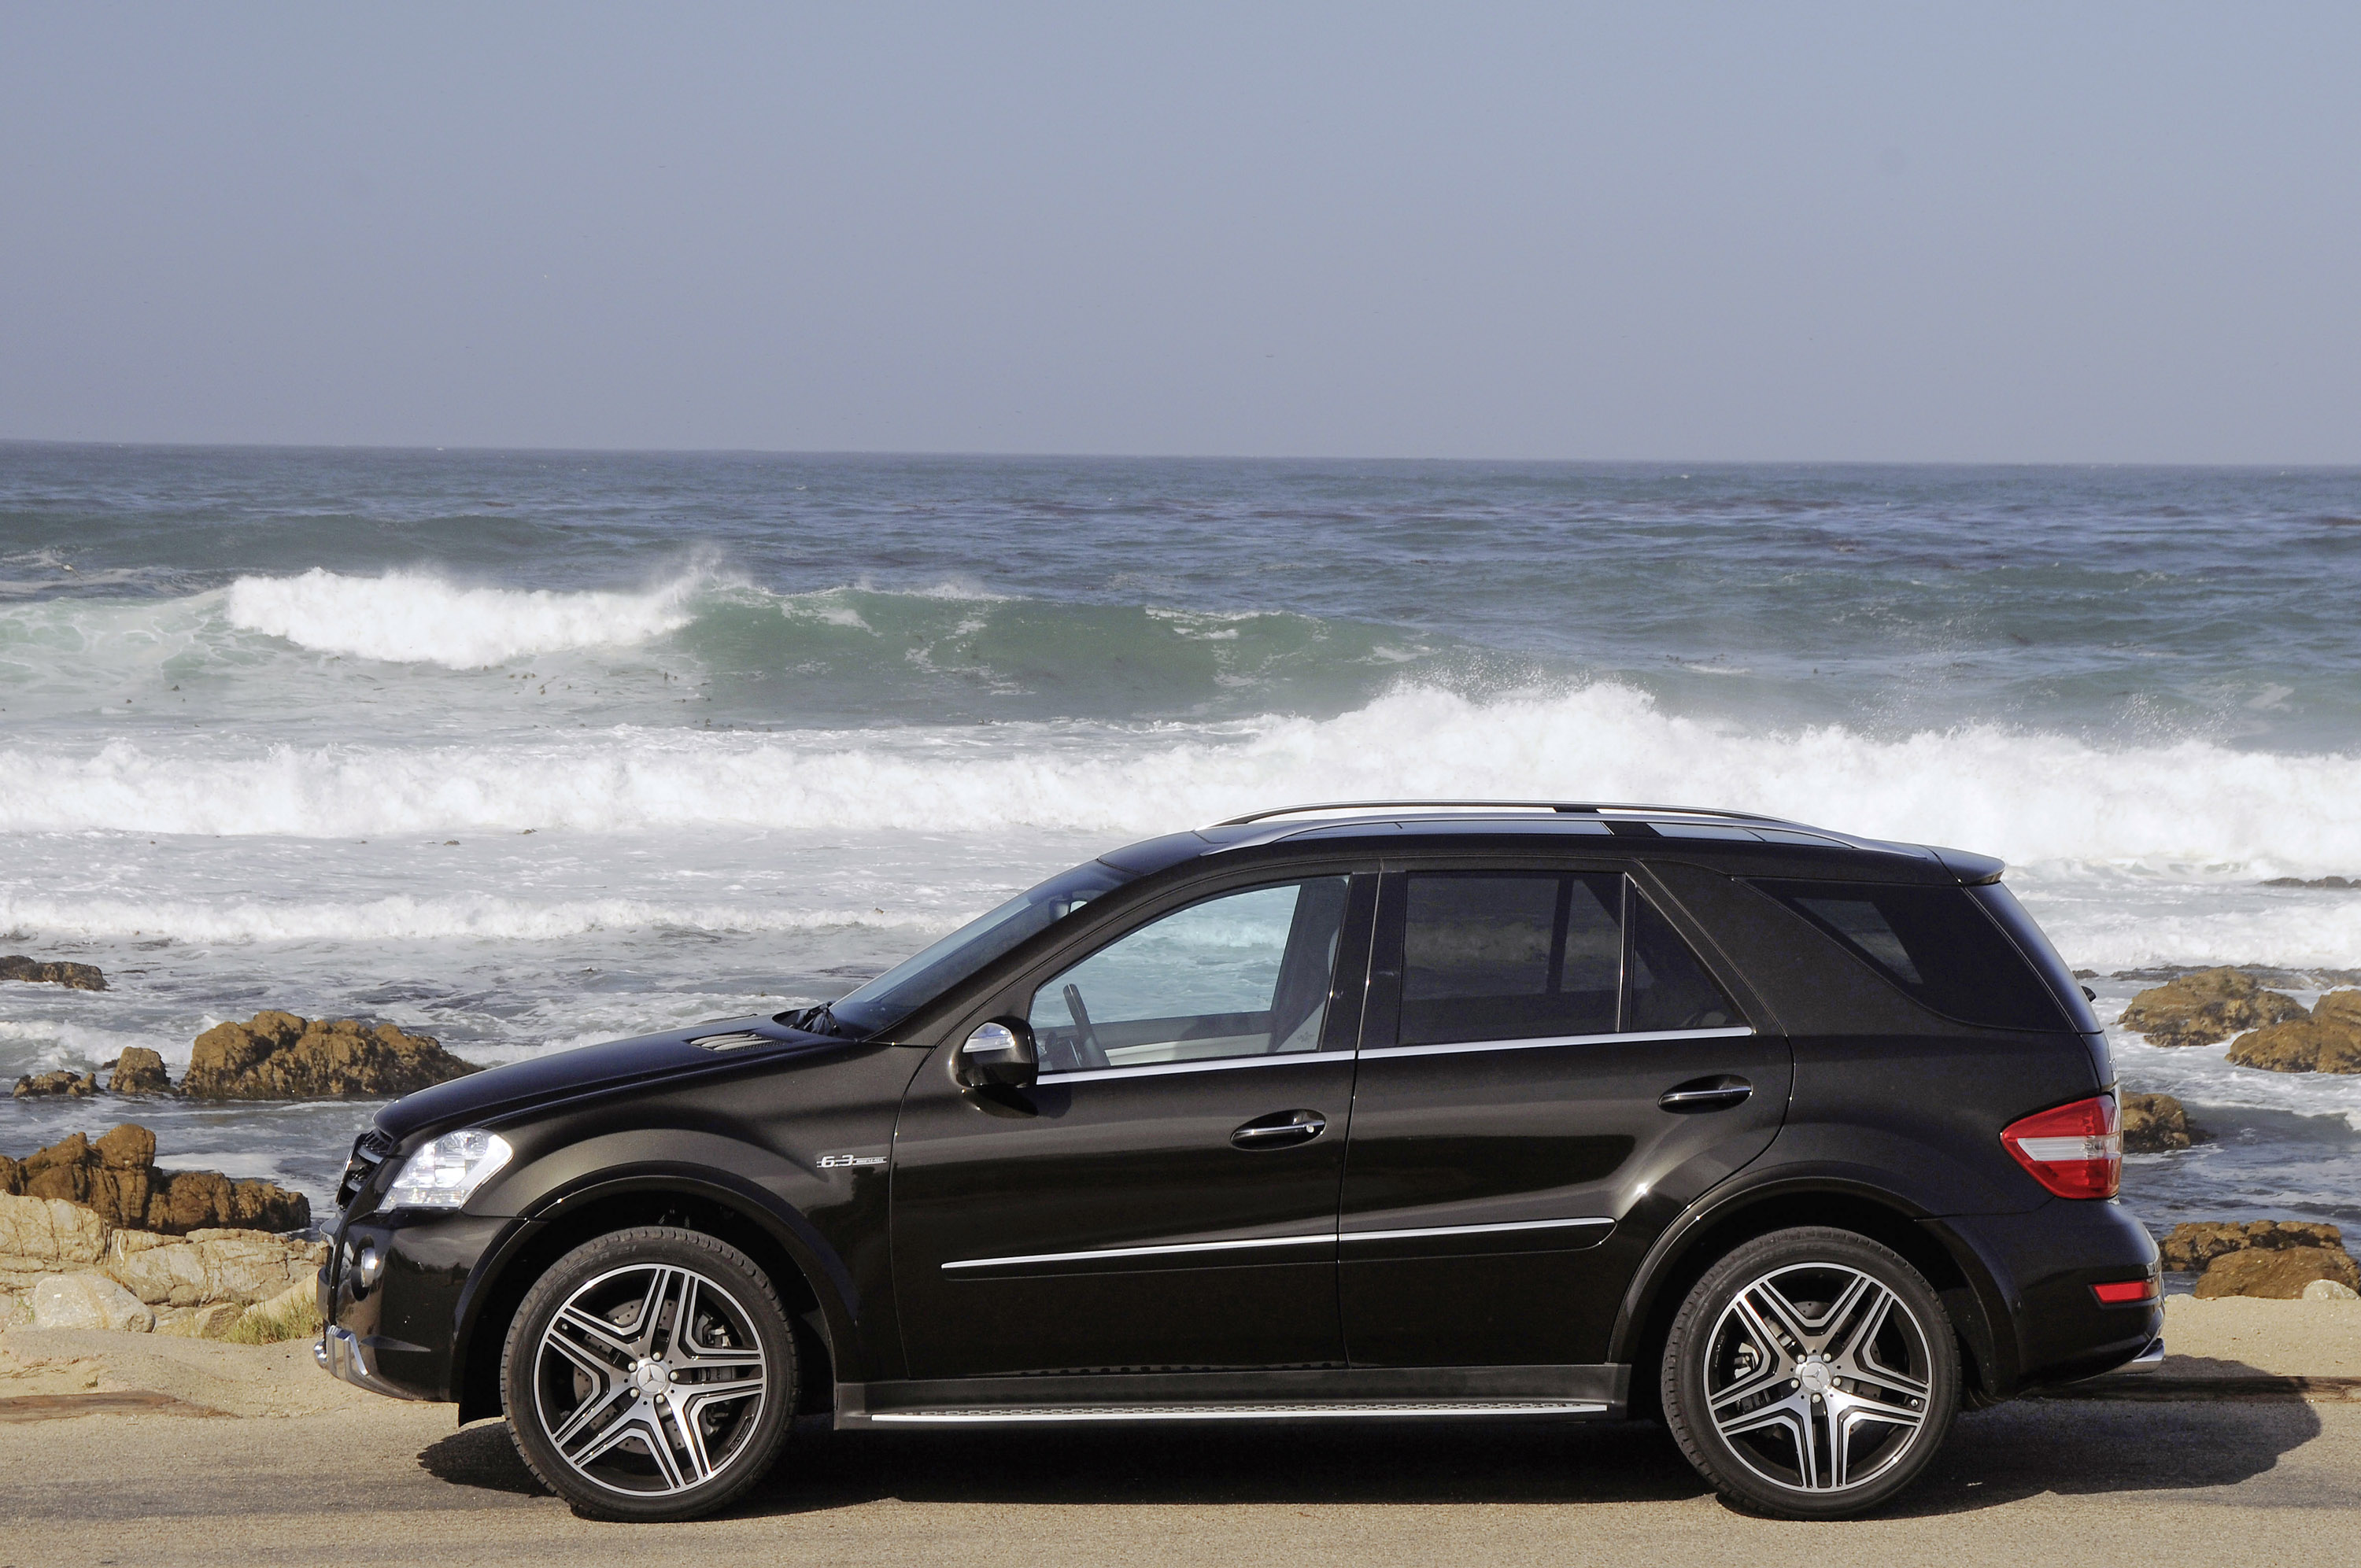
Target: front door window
[[1245, 974]]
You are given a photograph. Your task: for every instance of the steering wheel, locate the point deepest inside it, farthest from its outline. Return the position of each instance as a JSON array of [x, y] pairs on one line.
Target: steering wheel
[[1087, 1050]]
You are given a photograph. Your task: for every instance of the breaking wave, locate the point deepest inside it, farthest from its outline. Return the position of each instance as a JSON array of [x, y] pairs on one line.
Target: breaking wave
[[2190, 806]]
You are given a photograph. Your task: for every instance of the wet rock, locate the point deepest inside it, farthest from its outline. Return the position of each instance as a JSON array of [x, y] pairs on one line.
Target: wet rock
[[2326, 884], [2278, 1274], [2207, 1006], [278, 1055], [118, 1178], [2155, 1123], [43, 1085], [88, 1301], [2330, 1291], [2190, 1247], [139, 1070], [77, 977], [2328, 1041]]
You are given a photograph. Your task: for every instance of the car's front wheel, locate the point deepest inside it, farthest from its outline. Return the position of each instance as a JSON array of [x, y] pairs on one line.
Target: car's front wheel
[[650, 1375], [1812, 1373]]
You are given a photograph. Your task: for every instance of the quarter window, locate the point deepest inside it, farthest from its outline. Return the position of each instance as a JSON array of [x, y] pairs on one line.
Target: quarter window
[[1936, 943], [1247, 973]]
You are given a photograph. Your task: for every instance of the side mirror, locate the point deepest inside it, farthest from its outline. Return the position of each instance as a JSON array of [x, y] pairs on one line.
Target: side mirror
[[1000, 1052]]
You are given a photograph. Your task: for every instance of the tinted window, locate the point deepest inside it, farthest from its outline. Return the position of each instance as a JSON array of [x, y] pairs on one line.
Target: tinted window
[[1936, 943], [1247, 973], [1670, 989], [1506, 955], [2003, 907]]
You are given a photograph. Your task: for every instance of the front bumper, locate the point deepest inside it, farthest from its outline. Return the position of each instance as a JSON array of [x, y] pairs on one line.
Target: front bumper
[[402, 1333], [341, 1355]]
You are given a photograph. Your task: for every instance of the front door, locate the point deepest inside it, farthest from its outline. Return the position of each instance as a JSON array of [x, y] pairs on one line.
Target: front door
[[1544, 1051], [1164, 1198]]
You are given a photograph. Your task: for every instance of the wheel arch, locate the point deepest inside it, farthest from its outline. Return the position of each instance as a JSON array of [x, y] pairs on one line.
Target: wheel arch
[[821, 1313], [1683, 1254]]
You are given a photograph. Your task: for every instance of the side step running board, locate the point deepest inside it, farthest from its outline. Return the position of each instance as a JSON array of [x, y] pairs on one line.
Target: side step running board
[[1379, 1409]]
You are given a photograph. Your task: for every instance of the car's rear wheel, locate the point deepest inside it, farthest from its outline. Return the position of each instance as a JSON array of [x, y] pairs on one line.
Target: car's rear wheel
[[1812, 1374], [650, 1375]]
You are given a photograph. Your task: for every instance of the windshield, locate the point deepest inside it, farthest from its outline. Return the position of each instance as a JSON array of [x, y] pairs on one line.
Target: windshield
[[910, 984]]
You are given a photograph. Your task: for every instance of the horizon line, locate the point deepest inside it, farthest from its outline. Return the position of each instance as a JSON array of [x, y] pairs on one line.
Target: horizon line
[[953, 454]]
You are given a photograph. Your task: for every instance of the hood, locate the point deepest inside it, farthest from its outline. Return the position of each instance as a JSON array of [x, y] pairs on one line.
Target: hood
[[717, 1045]]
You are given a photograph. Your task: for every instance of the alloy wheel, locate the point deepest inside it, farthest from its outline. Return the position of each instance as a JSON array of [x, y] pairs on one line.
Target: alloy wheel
[[650, 1380], [1817, 1377]]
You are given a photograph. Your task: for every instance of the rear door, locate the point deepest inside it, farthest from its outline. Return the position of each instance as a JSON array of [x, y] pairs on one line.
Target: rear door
[[1548, 1070]]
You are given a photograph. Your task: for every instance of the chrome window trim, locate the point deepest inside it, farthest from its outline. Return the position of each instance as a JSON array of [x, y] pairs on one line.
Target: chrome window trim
[[1223, 1064], [1210, 1064], [1416, 1231], [1543, 1042]]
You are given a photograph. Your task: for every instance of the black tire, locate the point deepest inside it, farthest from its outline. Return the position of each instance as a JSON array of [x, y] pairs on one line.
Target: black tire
[[1812, 1374], [622, 1413]]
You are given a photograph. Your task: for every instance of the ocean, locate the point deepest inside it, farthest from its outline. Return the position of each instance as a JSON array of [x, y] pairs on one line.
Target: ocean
[[529, 750]]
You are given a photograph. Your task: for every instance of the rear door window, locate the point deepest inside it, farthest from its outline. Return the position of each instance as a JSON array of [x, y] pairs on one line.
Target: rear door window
[[1936, 943], [1538, 955]]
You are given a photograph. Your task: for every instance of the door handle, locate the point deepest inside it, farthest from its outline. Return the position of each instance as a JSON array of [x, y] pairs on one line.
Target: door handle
[[1706, 1095], [1281, 1129]]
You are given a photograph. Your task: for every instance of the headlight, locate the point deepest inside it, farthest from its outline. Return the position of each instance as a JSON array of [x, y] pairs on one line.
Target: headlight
[[447, 1172]]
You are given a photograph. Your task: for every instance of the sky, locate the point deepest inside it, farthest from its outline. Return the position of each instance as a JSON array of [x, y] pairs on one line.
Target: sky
[[1891, 232]]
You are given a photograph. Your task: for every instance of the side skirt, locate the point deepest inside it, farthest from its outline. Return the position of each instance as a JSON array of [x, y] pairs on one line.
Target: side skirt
[[1374, 1393]]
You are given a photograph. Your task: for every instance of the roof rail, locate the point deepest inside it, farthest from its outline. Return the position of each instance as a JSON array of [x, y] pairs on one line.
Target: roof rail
[[1563, 807]]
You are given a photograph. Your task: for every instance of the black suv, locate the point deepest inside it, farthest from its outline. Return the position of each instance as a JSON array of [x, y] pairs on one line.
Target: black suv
[[1798, 1141]]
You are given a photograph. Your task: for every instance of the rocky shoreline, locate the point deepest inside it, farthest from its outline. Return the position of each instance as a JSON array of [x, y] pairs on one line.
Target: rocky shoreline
[[272, 1055], [92, 1235]]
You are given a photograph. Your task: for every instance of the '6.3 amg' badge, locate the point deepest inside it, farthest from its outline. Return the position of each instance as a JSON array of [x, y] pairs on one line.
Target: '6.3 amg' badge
[[840, 1161]]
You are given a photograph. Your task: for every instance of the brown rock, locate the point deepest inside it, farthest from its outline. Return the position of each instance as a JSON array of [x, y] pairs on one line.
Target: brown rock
[[2340, 1008], [79, 977], [2190, 1247], [2155, 1123], [75, 1085], [2206, 1006], [118, 1176], [277, 1056], [2311, 1045], [139, 1070], [2278, 1274]]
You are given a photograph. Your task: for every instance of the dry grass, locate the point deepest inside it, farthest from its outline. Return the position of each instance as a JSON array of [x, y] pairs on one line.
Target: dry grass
[[273, 1322]]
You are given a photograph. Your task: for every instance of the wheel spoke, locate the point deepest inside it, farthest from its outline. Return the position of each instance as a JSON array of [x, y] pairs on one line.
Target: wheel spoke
[[643, 1327], [691, 1463], [1847, 1416], [1794, 1416], [603, 1338], [1860, 1296], [1773, 1311], [585, 1414]]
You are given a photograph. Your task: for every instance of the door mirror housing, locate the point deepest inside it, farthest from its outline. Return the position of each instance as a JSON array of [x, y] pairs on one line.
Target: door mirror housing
[[999, 1053]]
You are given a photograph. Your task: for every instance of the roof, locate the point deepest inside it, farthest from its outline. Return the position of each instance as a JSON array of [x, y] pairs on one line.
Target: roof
[[1359, 818]]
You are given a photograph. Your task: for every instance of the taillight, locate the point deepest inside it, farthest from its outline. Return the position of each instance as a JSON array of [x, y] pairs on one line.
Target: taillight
[[2075, 1151], [2123, 1292]]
